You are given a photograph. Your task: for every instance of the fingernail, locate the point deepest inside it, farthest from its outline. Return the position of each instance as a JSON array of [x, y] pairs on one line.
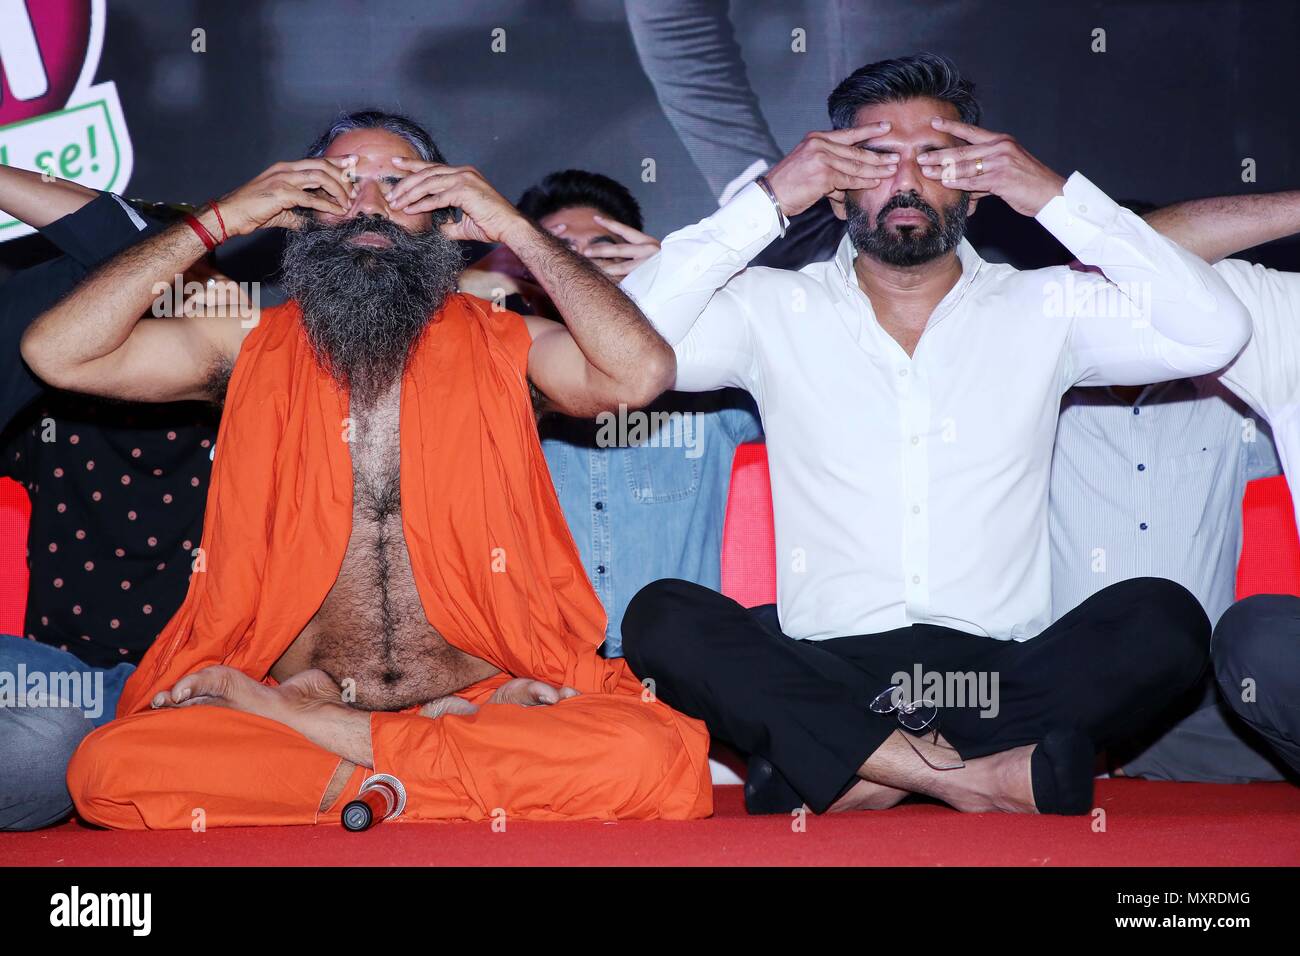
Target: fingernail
[[184, 692], [883, 124], [935, 121]]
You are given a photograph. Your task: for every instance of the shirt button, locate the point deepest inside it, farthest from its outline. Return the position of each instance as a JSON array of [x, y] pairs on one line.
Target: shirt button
[[902, 373], [916, 439], [916, 579], [1142, 467], [1137, 411], [600, 506], [600, 569], [916, 509], [1143, 526]]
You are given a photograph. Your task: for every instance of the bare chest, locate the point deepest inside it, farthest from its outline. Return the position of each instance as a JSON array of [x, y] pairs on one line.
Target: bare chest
[[371, 633]]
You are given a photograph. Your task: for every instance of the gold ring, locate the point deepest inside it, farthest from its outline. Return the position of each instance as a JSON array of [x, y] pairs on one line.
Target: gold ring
[[979, 167]]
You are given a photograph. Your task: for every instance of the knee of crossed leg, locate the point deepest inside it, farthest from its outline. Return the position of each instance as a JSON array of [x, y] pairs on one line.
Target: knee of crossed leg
[[1174, 628], [637, 738], [1257, 639], [35, 746], [92, 771], [652, 625]]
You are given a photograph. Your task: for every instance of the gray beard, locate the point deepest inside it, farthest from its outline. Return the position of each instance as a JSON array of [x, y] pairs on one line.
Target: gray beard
[[910, 246], [364, 308]]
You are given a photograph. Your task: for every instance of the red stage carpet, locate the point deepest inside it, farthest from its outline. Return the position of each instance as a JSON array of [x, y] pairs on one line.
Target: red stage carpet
[[1146, 824]]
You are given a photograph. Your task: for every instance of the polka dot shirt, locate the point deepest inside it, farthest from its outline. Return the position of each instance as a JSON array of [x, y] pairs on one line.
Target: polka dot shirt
[[117, 495]]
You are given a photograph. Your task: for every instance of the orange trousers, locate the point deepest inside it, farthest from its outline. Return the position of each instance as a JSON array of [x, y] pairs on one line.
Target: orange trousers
[[595, 757]]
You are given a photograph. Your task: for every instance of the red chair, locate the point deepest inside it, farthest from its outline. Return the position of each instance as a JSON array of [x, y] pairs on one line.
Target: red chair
[[1270, 549], [748, 537], [14, 512], [1270, 552], [1270, 556]]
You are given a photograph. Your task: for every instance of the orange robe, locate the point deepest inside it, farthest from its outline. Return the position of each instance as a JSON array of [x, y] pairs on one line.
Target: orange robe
[[497, 572]]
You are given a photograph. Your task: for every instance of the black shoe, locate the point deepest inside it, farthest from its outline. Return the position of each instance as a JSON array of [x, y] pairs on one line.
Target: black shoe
[[767, 791], [1061, 771]]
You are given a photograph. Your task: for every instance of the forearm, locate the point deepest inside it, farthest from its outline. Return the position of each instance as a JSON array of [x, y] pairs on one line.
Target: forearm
[[97, 317], [617, 341], [1180, 318], [674, 287], [1222, 226], [30, 198]]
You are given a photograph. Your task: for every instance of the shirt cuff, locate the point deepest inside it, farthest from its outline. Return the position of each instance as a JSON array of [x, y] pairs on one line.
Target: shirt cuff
[[750, 219], [744, 179], [99, 230], [1079, 214]]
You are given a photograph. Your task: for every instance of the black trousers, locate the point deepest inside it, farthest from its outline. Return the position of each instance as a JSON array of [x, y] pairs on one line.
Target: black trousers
[[1256, 652], [1107, 668]]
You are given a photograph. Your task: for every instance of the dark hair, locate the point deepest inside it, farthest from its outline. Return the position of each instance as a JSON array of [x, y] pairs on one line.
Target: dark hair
[[576, 187], [927, 75], [394, 123]]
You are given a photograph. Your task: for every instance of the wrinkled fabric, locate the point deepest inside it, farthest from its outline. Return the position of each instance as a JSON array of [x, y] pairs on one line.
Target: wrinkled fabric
[[498, 575]]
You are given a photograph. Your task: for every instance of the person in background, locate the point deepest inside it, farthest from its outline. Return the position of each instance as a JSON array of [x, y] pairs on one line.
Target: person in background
[[1255, 649], [644, 493], [117, 495], [1149, 480]]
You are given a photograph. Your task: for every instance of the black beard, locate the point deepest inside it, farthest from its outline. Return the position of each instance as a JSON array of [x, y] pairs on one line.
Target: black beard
[[363, 307], [909, 245]]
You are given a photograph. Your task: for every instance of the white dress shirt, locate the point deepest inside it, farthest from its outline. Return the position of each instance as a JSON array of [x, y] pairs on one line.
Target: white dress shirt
[[1267, 372], [914, 489]]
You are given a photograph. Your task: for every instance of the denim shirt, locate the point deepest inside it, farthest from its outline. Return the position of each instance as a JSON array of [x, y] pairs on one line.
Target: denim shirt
[[645, 492]]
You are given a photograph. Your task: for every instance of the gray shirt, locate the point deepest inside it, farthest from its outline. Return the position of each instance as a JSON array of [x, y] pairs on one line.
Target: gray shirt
[[1153, 488]]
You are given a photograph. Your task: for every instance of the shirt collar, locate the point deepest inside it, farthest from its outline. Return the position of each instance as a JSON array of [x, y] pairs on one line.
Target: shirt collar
[[971, 263]]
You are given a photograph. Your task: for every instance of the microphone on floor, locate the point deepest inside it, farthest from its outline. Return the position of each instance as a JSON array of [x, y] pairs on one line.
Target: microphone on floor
[[381, 797]]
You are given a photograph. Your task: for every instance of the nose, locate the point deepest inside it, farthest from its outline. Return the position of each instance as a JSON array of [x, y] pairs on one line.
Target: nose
[[369, 201], [909, 175]]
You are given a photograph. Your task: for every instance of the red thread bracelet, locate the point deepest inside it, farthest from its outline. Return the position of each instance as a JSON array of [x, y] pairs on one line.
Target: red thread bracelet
[[201, 231], [221, 222]]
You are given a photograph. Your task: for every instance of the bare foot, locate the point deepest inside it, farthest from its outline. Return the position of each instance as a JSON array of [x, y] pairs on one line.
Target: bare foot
[[451, 704], [998, 783], [865, 795], [530, 693], [219, 685]]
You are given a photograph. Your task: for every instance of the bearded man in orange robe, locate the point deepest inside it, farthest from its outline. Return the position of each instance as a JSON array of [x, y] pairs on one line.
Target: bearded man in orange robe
[[386, 584]]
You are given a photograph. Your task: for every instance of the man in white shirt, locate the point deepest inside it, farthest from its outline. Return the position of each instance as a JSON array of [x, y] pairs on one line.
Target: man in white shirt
[[1256, 645], [909, 392]]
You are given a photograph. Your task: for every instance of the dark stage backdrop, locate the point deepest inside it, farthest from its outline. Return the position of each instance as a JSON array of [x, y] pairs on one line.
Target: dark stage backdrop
[[184, 99]]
